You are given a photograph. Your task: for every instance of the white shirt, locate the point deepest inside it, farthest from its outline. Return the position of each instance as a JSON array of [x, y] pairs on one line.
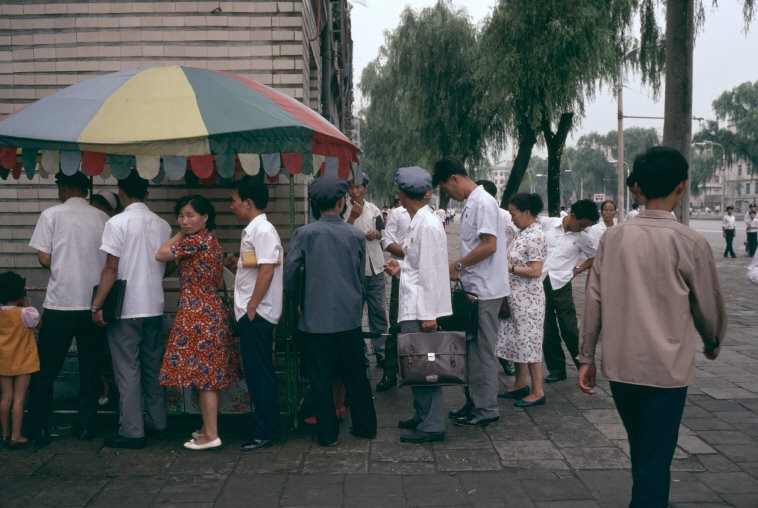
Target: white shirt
[[424, 283], [632, 214], [488, 279], [562, 214], [508, 226], [398, 221], [595, 232], [752, 271], [71, 233], [564, 250], [134, 236], [365, 222], [440, 213], [261, 237], [751, 225], [729, 222]]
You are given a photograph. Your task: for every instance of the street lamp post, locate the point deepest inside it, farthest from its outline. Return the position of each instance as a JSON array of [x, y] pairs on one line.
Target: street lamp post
[[721, 167]]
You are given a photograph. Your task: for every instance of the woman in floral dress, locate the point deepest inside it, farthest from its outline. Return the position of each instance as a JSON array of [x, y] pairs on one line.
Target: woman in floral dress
[[199, 351], [520, 335]]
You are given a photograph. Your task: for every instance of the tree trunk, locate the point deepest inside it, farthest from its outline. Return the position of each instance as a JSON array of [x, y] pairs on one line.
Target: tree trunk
[[555, 143], [527, 137], [677, 123]]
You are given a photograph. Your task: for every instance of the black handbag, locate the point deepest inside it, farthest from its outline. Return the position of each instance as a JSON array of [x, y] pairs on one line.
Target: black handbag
[[432, 358], [465, 317], [114, 301]]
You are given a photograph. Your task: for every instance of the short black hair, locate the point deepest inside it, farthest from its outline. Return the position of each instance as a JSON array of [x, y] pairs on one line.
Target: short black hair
[[11, 287], [527, 202], [252, 188], [606, 202], [323, 204], [415, 196], [489, 187], [134, 186], [585, 209], [447, 167], [658, 171], [635, 205], [201, 205]]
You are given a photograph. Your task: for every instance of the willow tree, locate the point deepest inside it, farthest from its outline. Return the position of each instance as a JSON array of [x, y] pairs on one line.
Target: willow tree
[[420, 93]]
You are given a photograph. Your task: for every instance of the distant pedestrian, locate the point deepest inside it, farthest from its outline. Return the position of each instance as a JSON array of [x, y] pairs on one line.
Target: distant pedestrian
[[634, 212], [751, 229], [728, 230], [607, 214], [647, 356]]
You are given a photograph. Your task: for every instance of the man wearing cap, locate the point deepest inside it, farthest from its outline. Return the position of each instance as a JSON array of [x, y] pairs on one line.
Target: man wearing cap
[[363, 215], [67, 237], [481, 270], [424, 293], [728, 229], [333, 254], [131, 239]]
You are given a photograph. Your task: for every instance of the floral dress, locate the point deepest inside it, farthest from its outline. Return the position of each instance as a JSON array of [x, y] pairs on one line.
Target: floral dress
[[200, 350], [520, 335]]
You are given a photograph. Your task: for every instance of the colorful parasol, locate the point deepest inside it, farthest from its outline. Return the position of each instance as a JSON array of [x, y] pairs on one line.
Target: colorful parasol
[[167, 120]]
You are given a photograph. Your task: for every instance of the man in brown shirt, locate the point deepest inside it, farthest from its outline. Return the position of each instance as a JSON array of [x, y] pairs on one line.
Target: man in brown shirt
[[663, 276]]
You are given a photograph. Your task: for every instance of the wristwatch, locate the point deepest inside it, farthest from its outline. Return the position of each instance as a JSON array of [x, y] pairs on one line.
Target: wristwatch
[[458, 266], [96, 309]]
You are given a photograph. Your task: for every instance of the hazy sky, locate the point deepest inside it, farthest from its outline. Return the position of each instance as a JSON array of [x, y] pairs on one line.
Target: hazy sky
[[724, 57]]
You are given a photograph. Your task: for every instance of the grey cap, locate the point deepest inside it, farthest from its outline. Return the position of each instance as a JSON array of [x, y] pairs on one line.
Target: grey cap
[[413, 179], [327, 188]]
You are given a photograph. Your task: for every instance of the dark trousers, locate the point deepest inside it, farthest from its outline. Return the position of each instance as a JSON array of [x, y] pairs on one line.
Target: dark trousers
[[752, 243], [256, 344], [729, 237], [390, 345], [651, 417], [59, 327], [340, 353], [560, 323]]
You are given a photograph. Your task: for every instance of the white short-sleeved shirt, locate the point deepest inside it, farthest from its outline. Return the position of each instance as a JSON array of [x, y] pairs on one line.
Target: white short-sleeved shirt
[[71, 234], [488, 279], [365, 222], [564, 250], [729, 222], [261, 237], [134, 236], [396, 228], [595, 232]]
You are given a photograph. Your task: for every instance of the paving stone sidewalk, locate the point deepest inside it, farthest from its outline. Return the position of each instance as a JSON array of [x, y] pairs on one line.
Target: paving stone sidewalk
[[571, 452]]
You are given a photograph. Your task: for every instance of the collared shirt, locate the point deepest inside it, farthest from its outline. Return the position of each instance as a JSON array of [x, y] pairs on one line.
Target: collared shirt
[[260, 237], [752, 270], [424, 281], [751, 225], [729, 222], [564, 250], [440, 214], [134, 236], [71, 233], [365, 222], [333, 254], [650, 280], [398, 221]]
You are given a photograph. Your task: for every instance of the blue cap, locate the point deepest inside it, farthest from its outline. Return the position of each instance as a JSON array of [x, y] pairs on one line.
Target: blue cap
[[327, 188], [413, 179]]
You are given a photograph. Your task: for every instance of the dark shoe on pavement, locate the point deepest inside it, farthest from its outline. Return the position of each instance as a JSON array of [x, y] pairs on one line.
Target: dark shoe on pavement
[[523, 403], [119, 441], [476, 421], [256, 444], [81, 433], [460, 413], [18, 445], [419, 436], [553, 378], [364, 435], [386, 383], [410, 423], [159, 434], [515, 394]]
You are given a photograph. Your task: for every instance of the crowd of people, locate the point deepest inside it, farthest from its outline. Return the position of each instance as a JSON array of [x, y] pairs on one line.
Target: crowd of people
[[519, 265]]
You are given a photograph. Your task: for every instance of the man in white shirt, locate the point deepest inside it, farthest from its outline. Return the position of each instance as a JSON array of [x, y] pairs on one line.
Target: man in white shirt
[[634, 212], [728, 230], [750, 209], [566, 244], [482, 270], [258, 291], [425, 293], [440, 213], [363, 215], [67, 237], [131, 239], [393, 237]]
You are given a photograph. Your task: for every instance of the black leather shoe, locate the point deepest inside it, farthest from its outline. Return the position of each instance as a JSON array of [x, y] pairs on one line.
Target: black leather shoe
[[119, 441], [419, 436], [515, 394], [256, 444], [554, 378], [387, 383], [410, 423], [81, 433], [364, 435], [475, 421], [460, 413]]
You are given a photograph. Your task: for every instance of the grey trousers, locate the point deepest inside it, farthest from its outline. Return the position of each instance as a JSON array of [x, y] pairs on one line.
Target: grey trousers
[[375, 298], [481, 361], [427, 400], [137, 348]]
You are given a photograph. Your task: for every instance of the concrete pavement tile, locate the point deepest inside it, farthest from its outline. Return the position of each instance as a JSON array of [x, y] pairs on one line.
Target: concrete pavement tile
[[741, 500], [679, 453], [374, 491], [718, 464], [685, 487], [693, 444], [710, 423], [692, 411], [690, 463], [464, 437], [206, 462], [75, 464], [612, 430], [719, 405], [739, 453], [25, 463], [732, 483], [537, 465], [598, 416], [433, 490], [493, 489], [336, 463], [188, 488], [313, 490], [572, 436], [750, 404], [19, 490], [68, 492], [527, 450], [724, 437], [467, 460], [139, 464], [134, 491], [347, 443], [738, 416], [402, 468], [623, 445], [596, 458], [728, 392], [517, 426], [567, 504], [257, 462], [401, 452], [685, 431], [559, 489], [388, 435], [260, 490]]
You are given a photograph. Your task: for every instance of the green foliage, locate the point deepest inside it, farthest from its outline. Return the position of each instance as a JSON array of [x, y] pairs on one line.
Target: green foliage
[[739, 106], [586, 171], [636, 141]]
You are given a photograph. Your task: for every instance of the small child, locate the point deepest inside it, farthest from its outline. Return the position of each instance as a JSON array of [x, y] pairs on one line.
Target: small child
[[18, 355]]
